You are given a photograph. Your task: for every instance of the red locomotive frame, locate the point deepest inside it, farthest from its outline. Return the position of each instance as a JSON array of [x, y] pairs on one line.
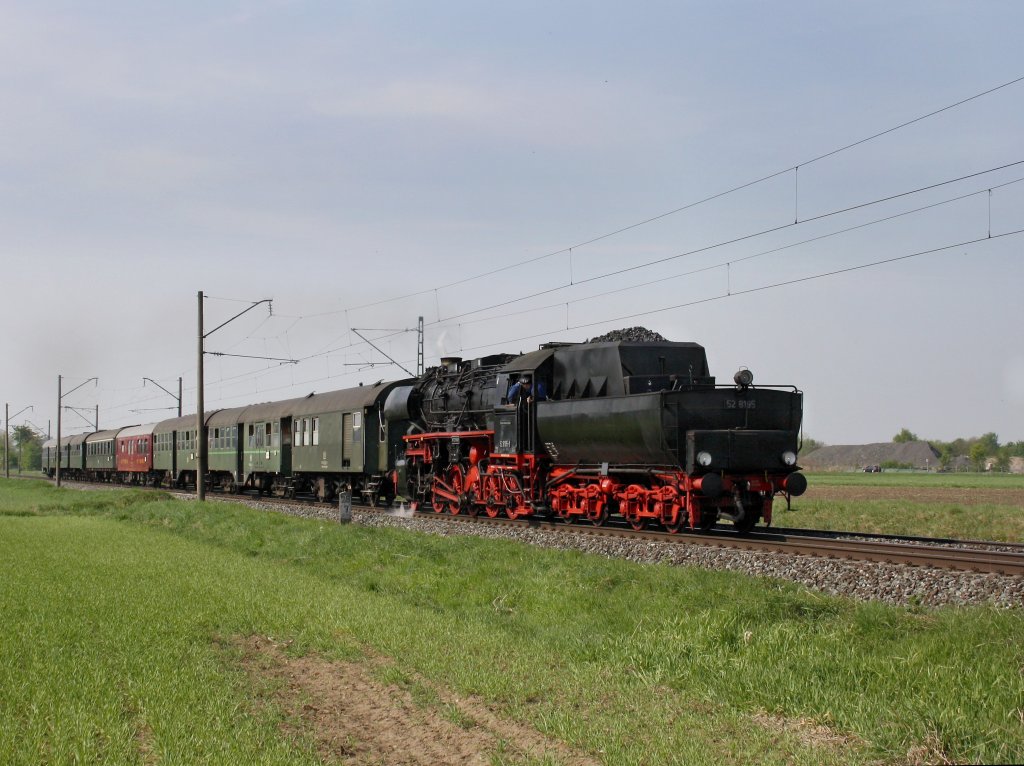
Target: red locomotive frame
[[524, 485]]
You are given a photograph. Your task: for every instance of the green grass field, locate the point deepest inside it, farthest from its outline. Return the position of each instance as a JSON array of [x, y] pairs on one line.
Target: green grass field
[[119, 609]]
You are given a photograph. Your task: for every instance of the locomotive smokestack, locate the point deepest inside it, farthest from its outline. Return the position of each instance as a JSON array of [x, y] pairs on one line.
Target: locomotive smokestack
[[451, 363]]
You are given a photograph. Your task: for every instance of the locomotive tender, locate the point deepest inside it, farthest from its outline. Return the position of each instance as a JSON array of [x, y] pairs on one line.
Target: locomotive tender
[[638, 430]]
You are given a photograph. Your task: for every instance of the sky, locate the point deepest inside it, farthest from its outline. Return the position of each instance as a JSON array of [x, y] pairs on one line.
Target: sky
[[514, 174]]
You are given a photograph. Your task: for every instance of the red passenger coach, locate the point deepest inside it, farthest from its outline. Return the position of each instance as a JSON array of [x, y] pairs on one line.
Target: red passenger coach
[[135, 454]]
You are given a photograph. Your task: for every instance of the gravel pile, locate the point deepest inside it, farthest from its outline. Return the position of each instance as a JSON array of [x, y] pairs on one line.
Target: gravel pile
[[865, 581], [637, 334]]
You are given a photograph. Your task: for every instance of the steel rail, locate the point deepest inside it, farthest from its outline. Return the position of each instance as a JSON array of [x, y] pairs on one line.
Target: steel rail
[[959, 559], [963, 542]]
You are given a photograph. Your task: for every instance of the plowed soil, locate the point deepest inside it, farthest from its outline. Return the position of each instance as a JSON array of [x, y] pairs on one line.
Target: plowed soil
[[354, 718], [955, 495]]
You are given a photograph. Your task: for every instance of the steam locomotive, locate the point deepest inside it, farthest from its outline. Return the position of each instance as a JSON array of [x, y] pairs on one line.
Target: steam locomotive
[[636, 430]]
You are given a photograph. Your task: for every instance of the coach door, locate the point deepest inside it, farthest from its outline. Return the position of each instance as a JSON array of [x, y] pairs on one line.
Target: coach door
[[286, 446], [352, 441]]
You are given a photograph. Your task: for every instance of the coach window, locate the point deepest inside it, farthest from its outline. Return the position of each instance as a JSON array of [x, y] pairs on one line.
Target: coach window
[[276, 434], [316, 432]]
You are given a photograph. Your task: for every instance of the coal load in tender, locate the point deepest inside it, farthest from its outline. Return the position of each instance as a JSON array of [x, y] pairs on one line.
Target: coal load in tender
[[635, 334]]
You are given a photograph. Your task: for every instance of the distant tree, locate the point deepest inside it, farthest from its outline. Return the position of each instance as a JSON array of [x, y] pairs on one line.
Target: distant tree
[[990, 442], [946, 456], [1002, 463], [26, 449], [978, 455], [905, 435], [809, 445]]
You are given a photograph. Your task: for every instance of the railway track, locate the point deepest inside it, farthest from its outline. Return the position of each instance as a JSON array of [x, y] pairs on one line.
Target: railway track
[[913, 554], [944, 553], [952, 542]]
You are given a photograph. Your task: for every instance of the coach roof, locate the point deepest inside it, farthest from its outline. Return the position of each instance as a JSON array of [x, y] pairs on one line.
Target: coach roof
[[144, 430], [343, 400]]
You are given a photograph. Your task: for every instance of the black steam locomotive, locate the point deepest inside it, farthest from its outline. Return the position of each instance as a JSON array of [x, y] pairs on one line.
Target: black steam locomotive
[[640, 430]]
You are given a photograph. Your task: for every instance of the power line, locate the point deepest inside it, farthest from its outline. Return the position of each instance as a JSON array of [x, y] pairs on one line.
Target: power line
[[685, 207], [762, 288], [745, 258], [724, 243]]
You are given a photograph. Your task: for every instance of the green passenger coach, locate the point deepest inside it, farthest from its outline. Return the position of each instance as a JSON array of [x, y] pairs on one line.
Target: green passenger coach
[[341, 442]]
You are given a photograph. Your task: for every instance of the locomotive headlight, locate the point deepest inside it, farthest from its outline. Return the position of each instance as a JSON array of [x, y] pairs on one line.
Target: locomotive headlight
[[789, 458], [743, 377], [704, 459]]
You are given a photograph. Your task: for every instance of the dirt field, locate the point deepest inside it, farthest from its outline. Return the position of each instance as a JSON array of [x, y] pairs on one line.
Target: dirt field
[[957, 495], [355, 718]]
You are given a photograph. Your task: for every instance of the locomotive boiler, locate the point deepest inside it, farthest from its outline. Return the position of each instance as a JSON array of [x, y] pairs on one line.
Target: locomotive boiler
[[639, 430]]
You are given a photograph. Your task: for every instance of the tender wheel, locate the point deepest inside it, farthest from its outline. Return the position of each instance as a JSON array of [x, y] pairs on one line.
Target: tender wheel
[[753, 504], [748, 523], [494, 505], [674, 526], [638, 523]]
